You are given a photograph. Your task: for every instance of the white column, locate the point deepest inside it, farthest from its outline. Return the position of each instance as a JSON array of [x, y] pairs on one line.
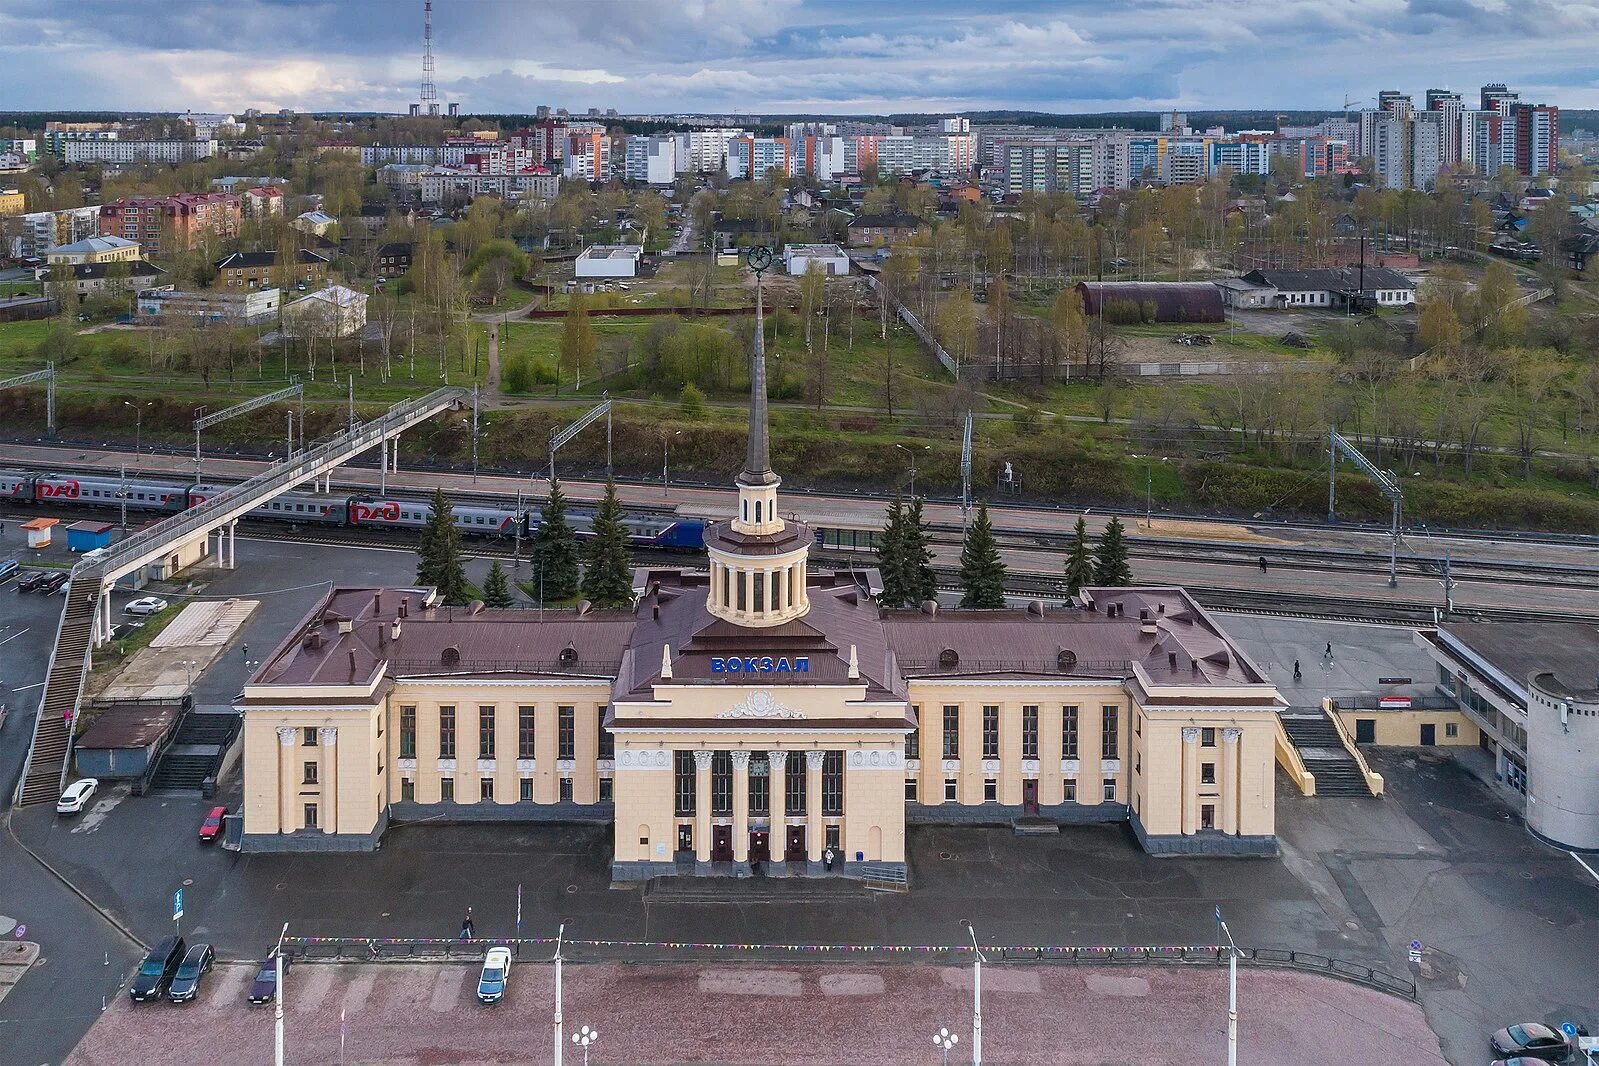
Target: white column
[[702, 806], [777, 790], [233, 559], [741, 806], [815, 833], [1229, 777], [286, 782], [767, 577], [330, 784], [1190, 779]]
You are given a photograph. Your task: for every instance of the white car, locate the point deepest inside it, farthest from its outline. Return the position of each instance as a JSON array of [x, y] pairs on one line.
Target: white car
[[496, 973], [145, 605], [76, 797]]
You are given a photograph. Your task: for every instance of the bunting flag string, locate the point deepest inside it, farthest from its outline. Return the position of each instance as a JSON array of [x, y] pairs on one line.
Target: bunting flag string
[[1084, 951]]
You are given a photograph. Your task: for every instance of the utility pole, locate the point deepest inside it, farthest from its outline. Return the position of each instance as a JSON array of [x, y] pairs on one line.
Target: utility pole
[[474, 431]]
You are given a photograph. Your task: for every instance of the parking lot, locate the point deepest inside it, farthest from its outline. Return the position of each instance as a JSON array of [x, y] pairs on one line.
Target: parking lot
[[774, 1011]]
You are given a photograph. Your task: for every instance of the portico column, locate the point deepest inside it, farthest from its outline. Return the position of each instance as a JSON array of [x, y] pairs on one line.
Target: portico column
[[1190, 779], [741, 806], [766, 591], [702, 806], [815, 833], [1229, 778], [330, 784], [777, 802], [286, 784]]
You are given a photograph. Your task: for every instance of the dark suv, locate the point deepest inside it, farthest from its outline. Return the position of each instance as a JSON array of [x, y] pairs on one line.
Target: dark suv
[[155, 973]]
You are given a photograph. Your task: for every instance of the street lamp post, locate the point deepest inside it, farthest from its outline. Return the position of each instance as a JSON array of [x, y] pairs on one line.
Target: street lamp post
[[665, 438], [560, 938], [946, 1041], [1232, 990], [277, 998], [977, 996], [583, 1038], [912, 453]]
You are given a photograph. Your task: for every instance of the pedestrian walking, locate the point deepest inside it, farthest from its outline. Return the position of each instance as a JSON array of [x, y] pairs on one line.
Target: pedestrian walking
[[1328, 653], [1297, 674], [1263, 564], [827, 860], [468, 929]]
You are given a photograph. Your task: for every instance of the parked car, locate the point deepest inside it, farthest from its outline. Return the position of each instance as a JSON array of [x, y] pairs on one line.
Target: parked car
[[496, 970], [145, 605], [76, 796], [1520, 1060], [31, 580], [265, 985], [211, 828], [155, 973], [8, 568], [55, 582], [186, 982], [1531, 1040]]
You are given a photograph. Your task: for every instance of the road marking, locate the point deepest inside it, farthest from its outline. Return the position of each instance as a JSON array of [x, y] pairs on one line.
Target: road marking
[[447, 989], [1585, 866], [306, 996], [24, 688], [355, 996], [227, 988], [96, 815], [13, 636]]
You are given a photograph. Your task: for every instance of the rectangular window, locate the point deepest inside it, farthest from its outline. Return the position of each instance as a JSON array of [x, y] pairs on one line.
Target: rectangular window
[[485, 789], [990, 731], [485, 732], [833, 783], [910, 790], [794, 785], [721, 783], [566, 730], [760, 784], [1110, 790], [310, 774], [1068, 732], [1071, 792], [952, 732], [1207, 816], [1207, 737], [446, 732], [566, 790], [308, 737], [607, 792], [1138, 724], [683, 783], [446, 790], [1109, 739], [913, 744], [407, 732], [524, 732], [607, 746], [990, 791], [1207, 773], [1030, 732], [310, 816], [950, 787], [1451, 729], [407, 790], [527, 790]]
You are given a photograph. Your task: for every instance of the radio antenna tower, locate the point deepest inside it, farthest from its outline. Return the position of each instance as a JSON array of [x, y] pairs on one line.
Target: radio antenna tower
[[429, 97]]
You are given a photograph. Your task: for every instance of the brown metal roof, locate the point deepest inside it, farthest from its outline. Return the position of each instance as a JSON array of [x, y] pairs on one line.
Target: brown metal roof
[[130, 725]]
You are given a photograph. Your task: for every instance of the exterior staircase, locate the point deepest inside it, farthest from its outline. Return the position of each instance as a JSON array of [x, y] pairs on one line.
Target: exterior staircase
[[1321, 747], [195, 752], [45, 769]]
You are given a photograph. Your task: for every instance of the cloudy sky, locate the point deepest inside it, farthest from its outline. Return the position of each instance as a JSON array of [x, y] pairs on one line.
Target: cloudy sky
[[754, 56]]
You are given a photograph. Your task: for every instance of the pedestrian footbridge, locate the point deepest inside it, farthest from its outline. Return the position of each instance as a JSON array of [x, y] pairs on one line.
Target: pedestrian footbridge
[[178, 541]]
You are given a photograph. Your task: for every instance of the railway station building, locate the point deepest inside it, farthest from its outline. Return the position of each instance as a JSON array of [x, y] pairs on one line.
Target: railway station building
[[753, 713]]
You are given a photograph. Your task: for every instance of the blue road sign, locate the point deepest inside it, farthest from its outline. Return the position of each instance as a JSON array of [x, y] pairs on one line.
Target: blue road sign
[[177, 904], [1569, 1029]]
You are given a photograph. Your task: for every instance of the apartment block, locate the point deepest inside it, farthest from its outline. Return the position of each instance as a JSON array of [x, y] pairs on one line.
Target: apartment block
[[187, 217], [122, 153], [651, 159]]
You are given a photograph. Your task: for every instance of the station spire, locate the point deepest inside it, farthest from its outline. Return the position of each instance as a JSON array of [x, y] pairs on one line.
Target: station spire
[[758, 458]]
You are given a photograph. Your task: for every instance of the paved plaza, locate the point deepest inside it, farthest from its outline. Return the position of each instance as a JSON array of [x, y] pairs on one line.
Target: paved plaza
[[777, 1012]]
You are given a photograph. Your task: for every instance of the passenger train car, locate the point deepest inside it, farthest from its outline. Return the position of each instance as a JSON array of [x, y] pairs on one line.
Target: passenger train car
[[324, 509]]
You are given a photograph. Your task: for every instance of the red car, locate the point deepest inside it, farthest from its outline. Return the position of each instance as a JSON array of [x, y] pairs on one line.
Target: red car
[[211, 828]]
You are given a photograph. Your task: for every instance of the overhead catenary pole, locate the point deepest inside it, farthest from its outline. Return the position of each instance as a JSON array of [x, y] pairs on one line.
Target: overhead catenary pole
[[1386, 480], [48, 376], [966, 471]]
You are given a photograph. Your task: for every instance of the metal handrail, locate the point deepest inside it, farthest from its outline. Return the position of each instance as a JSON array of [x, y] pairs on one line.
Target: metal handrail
[[290, 471]]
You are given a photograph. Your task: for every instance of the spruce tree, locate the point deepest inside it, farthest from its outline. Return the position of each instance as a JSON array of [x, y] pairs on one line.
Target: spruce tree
[[1110, 557], [555, 550], [917, 552], [608, 565], [982, 570], [1079, 561], [439, 553], [496, 588], [891, 556]]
